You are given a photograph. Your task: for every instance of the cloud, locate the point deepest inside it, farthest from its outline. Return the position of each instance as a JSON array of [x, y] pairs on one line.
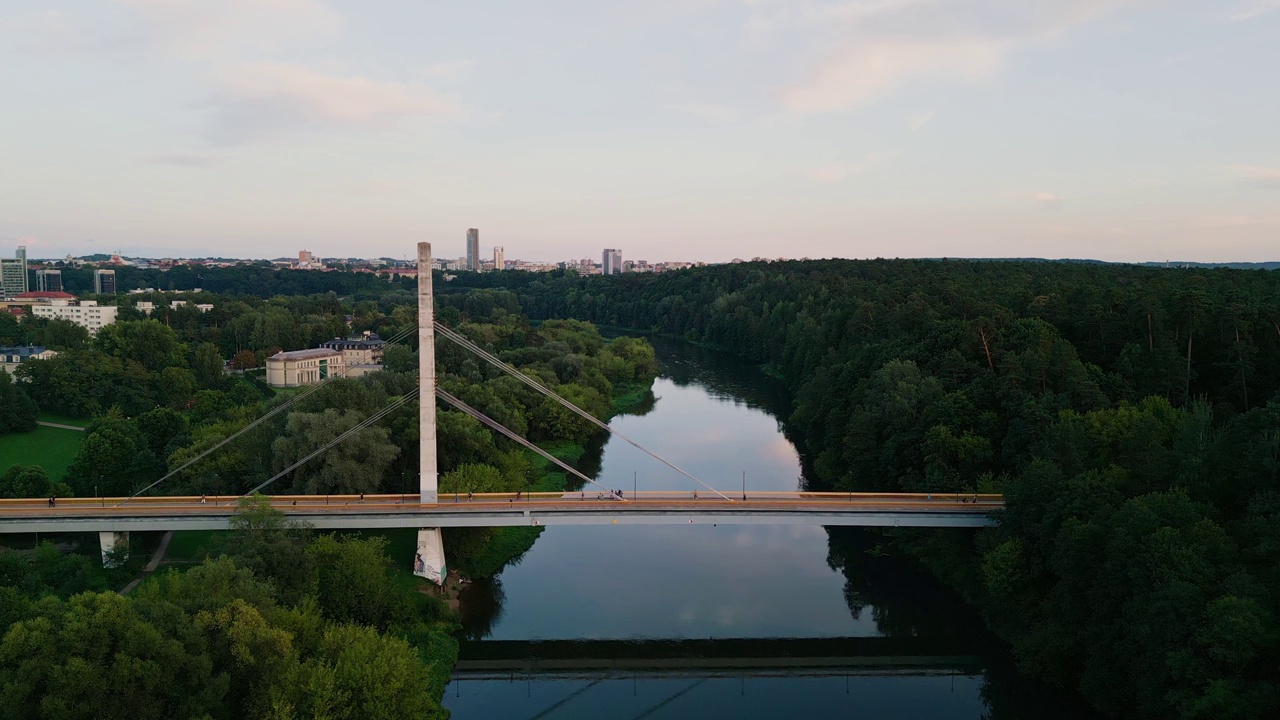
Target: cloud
[[708, 112], [877, 47], [1258, 175], [230, 28], [867, 72], [1255, 9], [918, 120], [265, 98], [1048, 199]]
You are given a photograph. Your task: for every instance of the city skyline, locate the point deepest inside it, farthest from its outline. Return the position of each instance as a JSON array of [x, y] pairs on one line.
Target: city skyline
[[1121, 130]]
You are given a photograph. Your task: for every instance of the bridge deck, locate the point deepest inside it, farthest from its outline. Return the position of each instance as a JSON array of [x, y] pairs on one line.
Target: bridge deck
[[505, 509]]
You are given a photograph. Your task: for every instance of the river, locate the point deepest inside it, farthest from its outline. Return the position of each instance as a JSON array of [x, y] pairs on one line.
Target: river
[[724, 622]]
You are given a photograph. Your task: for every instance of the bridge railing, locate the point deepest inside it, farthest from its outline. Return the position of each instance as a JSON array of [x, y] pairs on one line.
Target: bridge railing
[[220, 503]]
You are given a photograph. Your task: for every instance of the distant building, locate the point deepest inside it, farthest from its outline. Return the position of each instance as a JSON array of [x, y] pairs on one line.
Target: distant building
[[13, 274], [360, 350], [104, 282], [499, 258], [146, 307], [12, 357], [612, 261], [49, 280], [303, 367], [43, 296], [87, 313], [473, 249], [304, 257]]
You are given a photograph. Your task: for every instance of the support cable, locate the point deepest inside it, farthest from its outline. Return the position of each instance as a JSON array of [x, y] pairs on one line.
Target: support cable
[[375, 417], [444, 395], [466, 343], [266, 416]]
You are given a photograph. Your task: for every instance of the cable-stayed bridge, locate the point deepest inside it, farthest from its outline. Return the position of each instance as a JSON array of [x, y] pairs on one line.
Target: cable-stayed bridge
[[429, 510]]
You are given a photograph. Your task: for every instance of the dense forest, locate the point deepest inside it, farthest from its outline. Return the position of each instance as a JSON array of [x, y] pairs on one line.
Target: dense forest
[[1130, 415]]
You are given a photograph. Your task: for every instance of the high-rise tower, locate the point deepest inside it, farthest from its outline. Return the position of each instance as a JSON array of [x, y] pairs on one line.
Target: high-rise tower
[[49, 280], [104, 282], [473, 249], [611, 263], [13, 274], [499, 258]]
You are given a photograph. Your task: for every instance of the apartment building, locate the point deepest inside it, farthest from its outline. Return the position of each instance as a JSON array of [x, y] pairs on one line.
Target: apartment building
[[87, 313]]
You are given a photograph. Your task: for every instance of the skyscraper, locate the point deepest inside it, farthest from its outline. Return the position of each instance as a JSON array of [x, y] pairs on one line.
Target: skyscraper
[[104, 282], [499, 258], [611, 264], [49, 280], [13, 274], [473, 249]]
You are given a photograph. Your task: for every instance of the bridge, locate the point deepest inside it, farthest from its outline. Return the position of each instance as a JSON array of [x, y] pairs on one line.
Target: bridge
[[429, 510], [108, 515]]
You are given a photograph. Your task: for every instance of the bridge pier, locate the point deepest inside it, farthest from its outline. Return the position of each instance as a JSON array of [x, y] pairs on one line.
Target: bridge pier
[[428, 562], [108, 542]]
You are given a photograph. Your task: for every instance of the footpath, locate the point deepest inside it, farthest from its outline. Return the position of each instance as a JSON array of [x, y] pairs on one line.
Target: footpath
[[151, 565]]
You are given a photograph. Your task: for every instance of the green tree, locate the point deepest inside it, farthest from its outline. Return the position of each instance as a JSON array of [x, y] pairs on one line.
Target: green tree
[[30, 481], [149, 343], [18, 412], [355, 465], [206, 363], [96, 656], [62, 334], [353, 584], [271, 545]]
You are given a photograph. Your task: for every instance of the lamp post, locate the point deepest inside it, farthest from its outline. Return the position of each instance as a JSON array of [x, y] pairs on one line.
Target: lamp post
[[744, 486], [635, 483]]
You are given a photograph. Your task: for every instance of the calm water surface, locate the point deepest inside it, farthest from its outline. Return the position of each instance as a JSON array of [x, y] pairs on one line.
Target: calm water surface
[[912, 650]]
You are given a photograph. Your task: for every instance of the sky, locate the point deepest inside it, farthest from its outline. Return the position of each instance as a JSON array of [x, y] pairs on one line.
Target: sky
[[1121, 130]]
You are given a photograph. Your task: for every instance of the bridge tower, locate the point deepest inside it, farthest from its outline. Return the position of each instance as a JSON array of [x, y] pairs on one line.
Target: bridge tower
[[427, 477], [429, 560]]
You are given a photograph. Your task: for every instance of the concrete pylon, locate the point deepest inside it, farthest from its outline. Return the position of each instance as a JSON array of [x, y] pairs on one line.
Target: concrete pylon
[[108, 542], [428, 480], [428, 562]]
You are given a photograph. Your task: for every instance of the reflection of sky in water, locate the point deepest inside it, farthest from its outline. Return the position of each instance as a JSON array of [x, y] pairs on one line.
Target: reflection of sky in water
[[683, 581]]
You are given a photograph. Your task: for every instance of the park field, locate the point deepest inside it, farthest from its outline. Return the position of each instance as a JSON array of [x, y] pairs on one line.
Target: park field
[[51, 448]]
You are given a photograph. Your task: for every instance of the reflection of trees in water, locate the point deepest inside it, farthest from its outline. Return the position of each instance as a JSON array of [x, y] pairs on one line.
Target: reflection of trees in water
[[480, 605], [906, 601], [725, 376], [644, 407]]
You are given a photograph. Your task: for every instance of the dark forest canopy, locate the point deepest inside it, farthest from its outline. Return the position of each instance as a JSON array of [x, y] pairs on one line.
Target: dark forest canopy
[[1130, 415]]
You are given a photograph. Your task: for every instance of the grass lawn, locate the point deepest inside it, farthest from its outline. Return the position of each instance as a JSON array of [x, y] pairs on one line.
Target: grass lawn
[[51, 448], [64, 419], [188, 544]]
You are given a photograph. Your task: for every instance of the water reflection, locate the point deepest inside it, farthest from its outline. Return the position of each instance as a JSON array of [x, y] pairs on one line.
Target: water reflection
[[717, 417]]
